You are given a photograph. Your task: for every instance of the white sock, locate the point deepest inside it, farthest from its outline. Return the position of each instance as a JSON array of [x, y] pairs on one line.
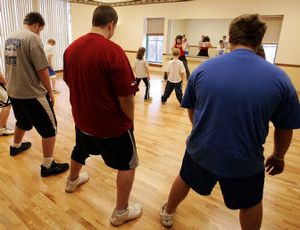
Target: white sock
[[120, 212], [17, 145], [47, 161]]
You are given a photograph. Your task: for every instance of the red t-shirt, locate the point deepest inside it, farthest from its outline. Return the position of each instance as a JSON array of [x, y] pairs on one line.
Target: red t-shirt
[[97, 72]]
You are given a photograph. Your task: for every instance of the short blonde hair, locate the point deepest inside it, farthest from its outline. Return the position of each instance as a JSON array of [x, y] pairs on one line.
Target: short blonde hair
[[51, 41], [175, 52]]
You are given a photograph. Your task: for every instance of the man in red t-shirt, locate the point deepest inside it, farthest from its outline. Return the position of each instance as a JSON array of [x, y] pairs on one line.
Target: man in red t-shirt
[[102, 88]]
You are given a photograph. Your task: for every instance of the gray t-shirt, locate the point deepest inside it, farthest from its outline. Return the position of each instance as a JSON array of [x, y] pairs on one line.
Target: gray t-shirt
[[24, 57]]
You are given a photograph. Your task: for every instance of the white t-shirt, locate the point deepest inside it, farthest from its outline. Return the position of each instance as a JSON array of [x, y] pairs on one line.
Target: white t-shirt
[[220, 50], [49, 50], [140, 68], [175, 67]]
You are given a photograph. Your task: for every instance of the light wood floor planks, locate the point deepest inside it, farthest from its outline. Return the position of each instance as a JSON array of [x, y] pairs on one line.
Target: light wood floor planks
[[28, 201]]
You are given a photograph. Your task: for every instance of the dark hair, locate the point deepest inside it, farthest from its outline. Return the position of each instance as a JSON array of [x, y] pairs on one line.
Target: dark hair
[[206, 39], [34, 17], [261, 52], [103, 15], [221, 41], [140, 53], [248, 30]]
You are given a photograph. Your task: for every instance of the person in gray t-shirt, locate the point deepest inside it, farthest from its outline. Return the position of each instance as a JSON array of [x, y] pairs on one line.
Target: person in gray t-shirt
[[30, 91]]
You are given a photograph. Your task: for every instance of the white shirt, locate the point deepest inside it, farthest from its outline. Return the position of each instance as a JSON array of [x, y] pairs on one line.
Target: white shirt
[[140, 68], [220, 50], [175, 67], [49, 50]]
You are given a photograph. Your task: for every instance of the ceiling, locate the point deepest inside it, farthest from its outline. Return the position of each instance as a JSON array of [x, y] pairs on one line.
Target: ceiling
[[124, 2]]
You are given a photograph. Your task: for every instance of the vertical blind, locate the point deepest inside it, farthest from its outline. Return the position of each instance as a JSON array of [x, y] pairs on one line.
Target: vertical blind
[[55, 13], [12, 13]]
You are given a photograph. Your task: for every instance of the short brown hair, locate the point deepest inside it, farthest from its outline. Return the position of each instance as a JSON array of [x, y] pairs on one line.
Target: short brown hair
[[52, 41], [140, 53], [103, 15], [248, 30], [34, 17], [175, 52]]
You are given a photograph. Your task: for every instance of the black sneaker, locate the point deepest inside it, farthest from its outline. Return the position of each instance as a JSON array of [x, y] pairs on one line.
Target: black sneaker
[[56, 168], [15, 151]]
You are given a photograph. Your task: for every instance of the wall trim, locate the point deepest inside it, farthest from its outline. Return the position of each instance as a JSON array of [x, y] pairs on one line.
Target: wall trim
[[287, 65]]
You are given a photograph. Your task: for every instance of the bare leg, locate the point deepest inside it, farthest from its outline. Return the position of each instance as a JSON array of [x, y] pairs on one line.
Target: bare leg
[[19, 134], [124, 184], [4, 116], [251, 218], [74, 170], [48, 146], [177, 194]]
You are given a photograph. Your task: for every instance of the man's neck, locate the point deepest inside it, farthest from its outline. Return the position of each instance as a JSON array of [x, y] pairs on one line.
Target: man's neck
[[241, 47], [100, 31], [30, 28]]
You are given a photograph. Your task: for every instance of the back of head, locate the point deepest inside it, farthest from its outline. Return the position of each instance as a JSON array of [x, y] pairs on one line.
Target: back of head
[[175, 52], [140, 53], [51, 41], [247, 30], [33, 18], [104, 15]]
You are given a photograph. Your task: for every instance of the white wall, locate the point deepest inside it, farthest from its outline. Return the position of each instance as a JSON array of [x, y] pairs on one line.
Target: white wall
[[129, 33]]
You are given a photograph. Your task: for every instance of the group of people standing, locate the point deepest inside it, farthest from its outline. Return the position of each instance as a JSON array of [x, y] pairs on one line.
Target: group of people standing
[[229, 111]]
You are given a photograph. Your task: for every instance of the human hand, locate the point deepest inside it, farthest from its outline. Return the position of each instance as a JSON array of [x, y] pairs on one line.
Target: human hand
[[52, 98], [274, 165]]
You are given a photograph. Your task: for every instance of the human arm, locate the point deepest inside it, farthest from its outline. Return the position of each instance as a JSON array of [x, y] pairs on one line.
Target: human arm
[[45, 80], [2, 79], [147, 70], [191, 115], [49, 58], [275, 162], [127, 106]]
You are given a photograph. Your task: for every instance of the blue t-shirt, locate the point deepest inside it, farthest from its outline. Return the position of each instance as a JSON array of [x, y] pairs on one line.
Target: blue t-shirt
[[234, 96]]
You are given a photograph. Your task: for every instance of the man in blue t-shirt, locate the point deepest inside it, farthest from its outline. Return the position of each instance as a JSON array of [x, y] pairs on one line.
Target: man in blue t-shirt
[[230, 112]]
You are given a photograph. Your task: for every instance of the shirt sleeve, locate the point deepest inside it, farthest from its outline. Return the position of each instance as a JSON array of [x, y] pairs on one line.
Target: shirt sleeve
[[37, 54], [181, 68], [287, 115], [168, 68], [189, 98], [122, 77]]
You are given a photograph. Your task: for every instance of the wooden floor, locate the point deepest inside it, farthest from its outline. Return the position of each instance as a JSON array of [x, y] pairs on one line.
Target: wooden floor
[[28, 201]]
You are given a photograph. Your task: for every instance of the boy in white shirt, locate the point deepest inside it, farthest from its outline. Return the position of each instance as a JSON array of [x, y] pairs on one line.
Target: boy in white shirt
[[176, 72], [49, 51]]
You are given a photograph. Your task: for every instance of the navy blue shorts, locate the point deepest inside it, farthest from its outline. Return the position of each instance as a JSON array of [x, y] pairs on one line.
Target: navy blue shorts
[[238, 193], [51, 72]]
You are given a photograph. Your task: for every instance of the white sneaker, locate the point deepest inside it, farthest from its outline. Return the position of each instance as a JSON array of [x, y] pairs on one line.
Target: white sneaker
[[133, 211], [72, 185], [6, 132], [167, 219]]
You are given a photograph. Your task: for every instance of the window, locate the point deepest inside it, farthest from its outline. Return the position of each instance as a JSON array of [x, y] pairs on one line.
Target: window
[[154, 47], [270, 52], [155, 39]]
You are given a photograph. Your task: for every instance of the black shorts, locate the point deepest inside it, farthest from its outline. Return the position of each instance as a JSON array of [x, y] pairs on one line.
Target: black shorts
[[117, 152], [36, 112], [238, 193]]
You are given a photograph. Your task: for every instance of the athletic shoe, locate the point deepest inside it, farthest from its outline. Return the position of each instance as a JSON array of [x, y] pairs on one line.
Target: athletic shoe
[[72, 185], [15, 151], [133, 211], [6, 132], [148, 99], [55, 168], [56, 92], [167, 219]]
